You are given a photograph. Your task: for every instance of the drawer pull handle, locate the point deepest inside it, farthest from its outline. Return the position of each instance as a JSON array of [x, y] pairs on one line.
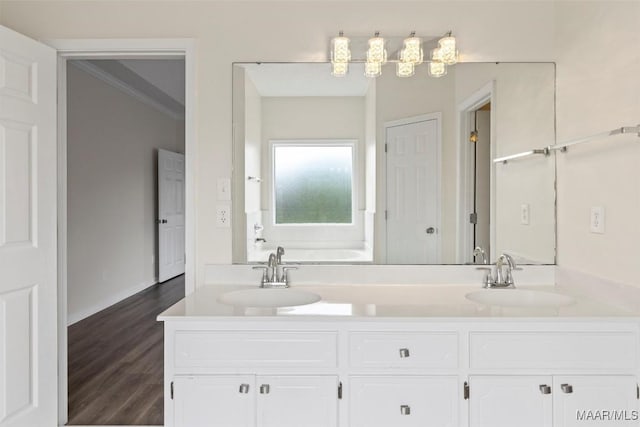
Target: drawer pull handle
[[566, 388], [404, 352], [405, 410], [545, 389], [264, 389], [244, 388]]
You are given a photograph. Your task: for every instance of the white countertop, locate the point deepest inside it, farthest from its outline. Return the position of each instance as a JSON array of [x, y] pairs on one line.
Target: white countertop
[[415, 302]]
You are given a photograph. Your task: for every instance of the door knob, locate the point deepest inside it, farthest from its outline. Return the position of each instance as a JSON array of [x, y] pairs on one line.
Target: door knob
[[161, 221], [405, 410], [545, 389], [404, 352], [431, 230], [244, 388], [566, 388], [264, 389]]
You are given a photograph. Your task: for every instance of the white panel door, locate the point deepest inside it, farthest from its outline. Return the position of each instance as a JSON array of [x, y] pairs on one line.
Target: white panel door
[[295, 401], [595, 401], [409, 401], [508, 401], [413, 229], [171, 189], [214, 401], [28, 343]]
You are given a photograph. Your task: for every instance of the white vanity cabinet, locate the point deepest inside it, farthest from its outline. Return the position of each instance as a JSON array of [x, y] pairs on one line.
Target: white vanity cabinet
[[549, 401], [255, 401], [337, 371]]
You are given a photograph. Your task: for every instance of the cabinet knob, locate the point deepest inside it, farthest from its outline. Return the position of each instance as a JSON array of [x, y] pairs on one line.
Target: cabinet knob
[[244, 388], [566, 388], [264, 389], [404, 352], [405, 409], [545, 389]]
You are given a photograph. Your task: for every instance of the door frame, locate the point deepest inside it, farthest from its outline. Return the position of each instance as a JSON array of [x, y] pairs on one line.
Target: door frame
[[464, 196], [112, 49], [437, 116]]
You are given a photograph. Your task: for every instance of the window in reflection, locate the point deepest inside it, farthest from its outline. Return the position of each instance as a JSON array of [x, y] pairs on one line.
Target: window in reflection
[[313, 184]]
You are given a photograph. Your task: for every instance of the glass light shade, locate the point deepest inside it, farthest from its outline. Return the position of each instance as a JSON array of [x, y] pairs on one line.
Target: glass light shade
[[437, 69], [436, 55], [339, 69], [340, 49], [372, 69], [412, 50], [376, 51], [405, 69], [448, 50]]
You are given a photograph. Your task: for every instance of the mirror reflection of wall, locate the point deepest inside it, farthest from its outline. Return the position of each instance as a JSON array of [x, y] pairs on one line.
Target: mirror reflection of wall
[[409, 187]]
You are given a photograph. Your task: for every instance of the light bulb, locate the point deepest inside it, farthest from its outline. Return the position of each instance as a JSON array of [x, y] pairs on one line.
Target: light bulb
[[376, 51], [340, 49], [405, 69], [339, 69], [437, 69], [412, 50], [448, 50], [372, 69]]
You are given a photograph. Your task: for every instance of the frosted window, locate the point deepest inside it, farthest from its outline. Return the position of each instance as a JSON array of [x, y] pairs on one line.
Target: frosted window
[[313, 184]]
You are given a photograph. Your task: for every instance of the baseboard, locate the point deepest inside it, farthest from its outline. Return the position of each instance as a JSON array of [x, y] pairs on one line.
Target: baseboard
[[108, 302]]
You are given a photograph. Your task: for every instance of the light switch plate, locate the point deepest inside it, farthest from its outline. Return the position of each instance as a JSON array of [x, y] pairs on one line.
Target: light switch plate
[[224, 189], [524, 213], [596, 224]]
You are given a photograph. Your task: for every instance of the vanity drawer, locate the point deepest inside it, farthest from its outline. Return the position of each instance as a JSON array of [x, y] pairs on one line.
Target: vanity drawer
[[224, 349], [403, 350], [553, 350]]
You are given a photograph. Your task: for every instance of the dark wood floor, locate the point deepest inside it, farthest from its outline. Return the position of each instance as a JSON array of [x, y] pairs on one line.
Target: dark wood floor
[[116, 360]]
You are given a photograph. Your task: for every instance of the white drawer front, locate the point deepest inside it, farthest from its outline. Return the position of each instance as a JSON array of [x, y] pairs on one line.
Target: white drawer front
[[219, 349], [554, 350], [404, 349], [403, 401]]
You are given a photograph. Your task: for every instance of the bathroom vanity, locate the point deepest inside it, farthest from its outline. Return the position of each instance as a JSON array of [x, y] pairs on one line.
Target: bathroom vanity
[[402, 355]]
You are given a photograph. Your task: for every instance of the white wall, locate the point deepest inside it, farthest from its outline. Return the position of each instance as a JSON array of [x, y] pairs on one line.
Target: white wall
[[598, 56], [335, 117], [227, 32], [112, 154]]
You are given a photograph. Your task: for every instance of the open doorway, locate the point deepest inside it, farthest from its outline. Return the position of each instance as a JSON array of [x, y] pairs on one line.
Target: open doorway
[[112, 50], [475, 201]]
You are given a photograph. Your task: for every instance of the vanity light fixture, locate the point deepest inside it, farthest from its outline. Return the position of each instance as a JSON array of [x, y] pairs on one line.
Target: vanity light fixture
[[340, 55], [409, 54]]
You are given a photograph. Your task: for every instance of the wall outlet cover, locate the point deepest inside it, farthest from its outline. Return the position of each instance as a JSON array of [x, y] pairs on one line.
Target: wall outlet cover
[[524, 214], [223, 216], [596, 223]]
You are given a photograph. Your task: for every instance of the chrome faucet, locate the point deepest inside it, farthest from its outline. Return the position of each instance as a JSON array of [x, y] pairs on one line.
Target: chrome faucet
[[478, 251], [501, 278], [275, 275]]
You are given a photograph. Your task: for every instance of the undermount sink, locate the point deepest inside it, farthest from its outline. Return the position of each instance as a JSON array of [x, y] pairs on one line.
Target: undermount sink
[[268, 297], [519, 298]]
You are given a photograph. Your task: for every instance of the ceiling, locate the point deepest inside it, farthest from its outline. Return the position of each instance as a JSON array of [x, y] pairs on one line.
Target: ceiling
[[159, 82], [306, 79]]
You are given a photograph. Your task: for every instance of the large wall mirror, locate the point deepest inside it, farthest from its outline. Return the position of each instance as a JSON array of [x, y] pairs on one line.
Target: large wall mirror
[[393, 170]]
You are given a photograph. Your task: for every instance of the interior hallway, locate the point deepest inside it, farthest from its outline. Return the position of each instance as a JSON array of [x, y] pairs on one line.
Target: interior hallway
[[116, 360]]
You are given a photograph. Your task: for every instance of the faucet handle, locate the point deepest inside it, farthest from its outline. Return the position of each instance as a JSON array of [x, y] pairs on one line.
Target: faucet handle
[[487, 279], [264, 269], [285, 275]]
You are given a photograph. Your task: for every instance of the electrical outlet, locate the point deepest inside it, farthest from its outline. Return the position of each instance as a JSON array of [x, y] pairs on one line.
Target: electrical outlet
[[223, 216], [524, 214], [224, 189], [596, 224]]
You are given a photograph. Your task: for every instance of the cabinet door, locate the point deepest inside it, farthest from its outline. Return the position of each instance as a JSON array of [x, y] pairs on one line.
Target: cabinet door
[[595, 401], [295, 401], [508, 401], [214, 401], [403, 401]]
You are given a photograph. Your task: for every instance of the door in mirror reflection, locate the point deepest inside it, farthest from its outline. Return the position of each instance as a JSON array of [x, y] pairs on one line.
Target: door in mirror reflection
[[413, 191]]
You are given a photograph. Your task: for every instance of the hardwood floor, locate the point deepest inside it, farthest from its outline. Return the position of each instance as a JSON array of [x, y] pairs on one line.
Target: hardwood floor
[[116, 360]]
